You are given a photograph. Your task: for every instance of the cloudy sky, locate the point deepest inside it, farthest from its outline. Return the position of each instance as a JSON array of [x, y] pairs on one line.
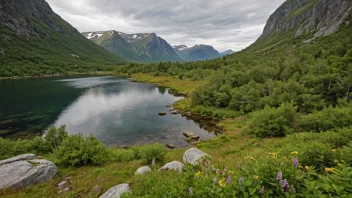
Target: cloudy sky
[[225, 24]]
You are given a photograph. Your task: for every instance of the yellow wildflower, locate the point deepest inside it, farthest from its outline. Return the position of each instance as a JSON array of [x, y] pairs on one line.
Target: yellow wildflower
[[222, 183], [198, 173], [336, 161], [294, 153], [334, 150], [329, 169], [256, 177], [273, 155], [231, 172], [306, 167]]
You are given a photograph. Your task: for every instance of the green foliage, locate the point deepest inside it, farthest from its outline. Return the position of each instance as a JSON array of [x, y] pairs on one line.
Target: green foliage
[[155, 151], [122, 155], [77, 150], [272, 122], [55, 136]]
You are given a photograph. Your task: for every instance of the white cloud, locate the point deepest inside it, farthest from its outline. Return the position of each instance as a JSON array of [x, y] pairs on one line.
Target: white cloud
[[224, 24]]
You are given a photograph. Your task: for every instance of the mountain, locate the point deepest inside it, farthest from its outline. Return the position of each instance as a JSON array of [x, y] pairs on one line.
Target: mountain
[[318, 17], [227, 52], [35, 41], [197, 52], [141, 47]]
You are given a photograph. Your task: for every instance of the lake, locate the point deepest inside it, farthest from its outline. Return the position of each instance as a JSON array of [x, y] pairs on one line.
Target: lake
[[115, 110]]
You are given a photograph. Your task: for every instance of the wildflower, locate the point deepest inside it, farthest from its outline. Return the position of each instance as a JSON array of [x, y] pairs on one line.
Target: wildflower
[[215, 180], [336, 161], [225, 171], [256, 177], [329, 169], [294, 153], [239, 165], [240, 180], [295, 162], [228, 180], [190, 191], [261, 191], [153, 162], [231, 172], [198, 173], [279, 175], [222, 183], [284, 184], [334, 150], [273, 155], [294, 190], [307, 168]]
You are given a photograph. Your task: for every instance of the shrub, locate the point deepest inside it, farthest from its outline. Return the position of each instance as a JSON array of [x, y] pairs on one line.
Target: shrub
[[122, 155], [148, 152], [272, 122], [77, 150], [55, 136]]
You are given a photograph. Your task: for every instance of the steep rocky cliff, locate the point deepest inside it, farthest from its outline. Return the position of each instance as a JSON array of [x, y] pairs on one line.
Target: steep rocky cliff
[[320, 17]]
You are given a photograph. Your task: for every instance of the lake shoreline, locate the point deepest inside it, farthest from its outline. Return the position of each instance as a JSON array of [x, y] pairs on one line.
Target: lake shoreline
[[59, 75]]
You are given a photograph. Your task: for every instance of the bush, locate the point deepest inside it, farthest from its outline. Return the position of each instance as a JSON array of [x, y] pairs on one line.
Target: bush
[[55, 136], [148, 152], [77, 150], [272, 122], [122, 155]]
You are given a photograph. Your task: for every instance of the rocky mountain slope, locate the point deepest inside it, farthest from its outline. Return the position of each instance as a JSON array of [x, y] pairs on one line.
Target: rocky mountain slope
[[142, 47], [33, 36], [316, 17], [197, 52]]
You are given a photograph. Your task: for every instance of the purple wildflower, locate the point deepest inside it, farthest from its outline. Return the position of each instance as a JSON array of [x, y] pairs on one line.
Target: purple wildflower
[[284, 184], [295, 162], [240, 180], [190, 191], [228, 180], [262, 191], [294, 190], [153, 162], [279, 176], [215, 180]]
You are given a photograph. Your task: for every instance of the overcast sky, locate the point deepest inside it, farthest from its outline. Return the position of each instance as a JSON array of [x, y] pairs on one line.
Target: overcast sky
[[224, 24]]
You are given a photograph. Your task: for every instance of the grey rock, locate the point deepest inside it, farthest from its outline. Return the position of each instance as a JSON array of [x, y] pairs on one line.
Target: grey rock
[[323, 18], [15, 173], [96, 190], [18, 158], [174, 112], [62, 185], [173, 166], [143, 170], [188, 134], [64, 190], [194, 155], [117, 191], [170, 146]]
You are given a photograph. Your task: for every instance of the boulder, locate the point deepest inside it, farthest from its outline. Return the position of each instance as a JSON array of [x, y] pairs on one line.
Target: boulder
[[142, 170], [193, 155], [162, 113], [170, 146], [116, 191], [173, 166], [188, 134], [195, 137], [24, 170]]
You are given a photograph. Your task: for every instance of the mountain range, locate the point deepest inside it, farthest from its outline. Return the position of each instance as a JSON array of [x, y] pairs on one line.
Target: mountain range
[[150, 48], [35, 41]]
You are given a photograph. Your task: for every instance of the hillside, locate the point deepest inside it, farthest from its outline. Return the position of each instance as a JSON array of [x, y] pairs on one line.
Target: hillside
[[36, 41], [196, 53], [141, 47]]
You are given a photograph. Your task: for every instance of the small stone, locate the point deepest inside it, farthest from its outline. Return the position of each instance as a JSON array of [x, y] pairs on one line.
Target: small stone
[[162, 113], [96, 190], [62, 185], [195, 137], [124, 147], [64, 190], [170, 146], [174, 112], [143, 170], [173, 166], [116, 191], [188, 134]]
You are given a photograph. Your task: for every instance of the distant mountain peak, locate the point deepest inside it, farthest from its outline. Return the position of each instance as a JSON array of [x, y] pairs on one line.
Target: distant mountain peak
[[197, 52]]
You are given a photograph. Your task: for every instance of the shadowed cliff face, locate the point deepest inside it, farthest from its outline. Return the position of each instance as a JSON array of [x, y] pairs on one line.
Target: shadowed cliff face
[[20, 16], [321, 17]]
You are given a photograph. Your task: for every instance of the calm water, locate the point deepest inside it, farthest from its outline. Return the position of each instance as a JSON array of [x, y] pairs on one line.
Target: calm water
[[116, 111]]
